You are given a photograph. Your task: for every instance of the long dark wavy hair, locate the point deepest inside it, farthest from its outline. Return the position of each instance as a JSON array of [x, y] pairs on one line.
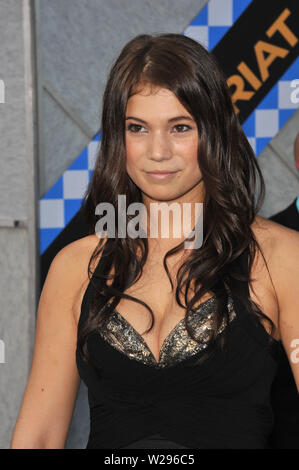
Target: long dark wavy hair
[[233, 182]]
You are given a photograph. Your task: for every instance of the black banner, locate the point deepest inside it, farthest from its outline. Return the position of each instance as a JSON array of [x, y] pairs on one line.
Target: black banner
[[257, 50]]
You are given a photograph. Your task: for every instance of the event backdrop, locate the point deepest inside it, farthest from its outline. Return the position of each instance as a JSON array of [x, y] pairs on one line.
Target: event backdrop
[[256, 43]]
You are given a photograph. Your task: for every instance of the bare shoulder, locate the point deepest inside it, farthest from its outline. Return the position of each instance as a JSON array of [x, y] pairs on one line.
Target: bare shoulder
[[68, 272], [284, 265], [71, 266], [277, 240], [280, 246], [281, 249], [76, 255]]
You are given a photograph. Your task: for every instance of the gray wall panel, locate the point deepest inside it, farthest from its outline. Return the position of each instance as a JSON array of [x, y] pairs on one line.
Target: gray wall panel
[[18, 201], [283, 142], [16, 327], [12, 130], [278, 165], [63, 139], [80, 40]]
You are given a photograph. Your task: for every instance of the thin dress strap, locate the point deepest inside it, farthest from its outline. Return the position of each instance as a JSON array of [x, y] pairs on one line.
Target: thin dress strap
[[252, 322]]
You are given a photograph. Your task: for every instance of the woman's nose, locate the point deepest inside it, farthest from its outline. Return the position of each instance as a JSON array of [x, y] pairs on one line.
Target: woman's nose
[[160, 148]]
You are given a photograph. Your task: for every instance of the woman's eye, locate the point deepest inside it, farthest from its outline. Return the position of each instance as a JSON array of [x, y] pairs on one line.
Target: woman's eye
[[183, 125], [131, 128]]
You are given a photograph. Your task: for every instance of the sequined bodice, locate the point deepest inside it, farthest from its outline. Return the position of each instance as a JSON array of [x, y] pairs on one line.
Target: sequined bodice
[[177, 346]]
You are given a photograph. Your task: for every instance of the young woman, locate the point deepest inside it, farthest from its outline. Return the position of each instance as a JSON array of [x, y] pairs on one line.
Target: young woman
[[178, 346]]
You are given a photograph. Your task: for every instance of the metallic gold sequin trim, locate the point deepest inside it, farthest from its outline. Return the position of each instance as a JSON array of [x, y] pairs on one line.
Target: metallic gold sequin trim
[[177, 346]]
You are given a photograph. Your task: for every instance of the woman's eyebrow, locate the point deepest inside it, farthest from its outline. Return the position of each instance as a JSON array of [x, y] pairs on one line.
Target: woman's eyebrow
[[176, 118]]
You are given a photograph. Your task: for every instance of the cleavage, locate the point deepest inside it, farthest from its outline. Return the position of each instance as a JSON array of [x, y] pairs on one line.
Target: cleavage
[[154, 280]]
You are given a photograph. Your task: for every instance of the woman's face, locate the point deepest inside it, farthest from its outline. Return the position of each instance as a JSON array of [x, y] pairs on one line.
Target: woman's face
[[161, 135]]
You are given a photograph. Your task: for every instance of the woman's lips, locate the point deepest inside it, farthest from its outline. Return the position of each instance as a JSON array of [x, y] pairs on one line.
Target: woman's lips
[[161, 175]]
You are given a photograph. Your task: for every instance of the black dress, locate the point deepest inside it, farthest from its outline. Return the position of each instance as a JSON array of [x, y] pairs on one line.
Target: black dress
[[137, 402], [284, 394]]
